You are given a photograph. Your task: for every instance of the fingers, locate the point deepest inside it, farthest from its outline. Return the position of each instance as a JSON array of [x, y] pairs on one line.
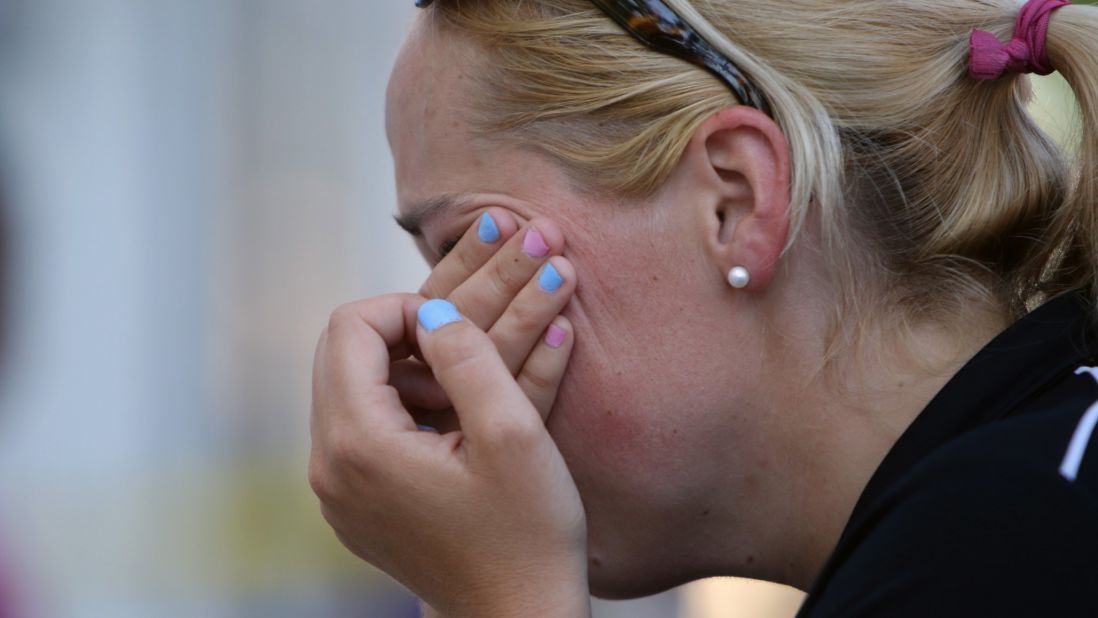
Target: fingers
[[486, 294], [521, 326], [512, 282], [423, 396], [517, 332], [490, 406], [541, 375], [493, 228], [351, 370], [417, 386]]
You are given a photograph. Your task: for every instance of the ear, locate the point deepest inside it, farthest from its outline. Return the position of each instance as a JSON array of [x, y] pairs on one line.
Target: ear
[[740, 160]]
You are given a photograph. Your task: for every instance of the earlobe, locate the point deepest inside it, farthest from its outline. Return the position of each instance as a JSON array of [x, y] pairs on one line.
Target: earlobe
[[747, 160], [739, 277]]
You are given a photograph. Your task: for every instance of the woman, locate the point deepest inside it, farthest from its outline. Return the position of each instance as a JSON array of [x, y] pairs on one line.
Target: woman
[[777, 246]]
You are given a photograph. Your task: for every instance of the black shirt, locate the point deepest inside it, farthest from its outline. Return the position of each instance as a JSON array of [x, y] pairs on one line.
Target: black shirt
[[988, 503]]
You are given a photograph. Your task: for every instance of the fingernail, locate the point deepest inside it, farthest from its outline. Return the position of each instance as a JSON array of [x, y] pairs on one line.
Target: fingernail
[[533, 244], [554, 337], [550, 280], [426, 428], [435, 314], [487, 231]]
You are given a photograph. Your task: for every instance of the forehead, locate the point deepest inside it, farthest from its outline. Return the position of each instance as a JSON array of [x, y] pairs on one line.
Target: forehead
[[428, 86], [436, 151], [427, 113]]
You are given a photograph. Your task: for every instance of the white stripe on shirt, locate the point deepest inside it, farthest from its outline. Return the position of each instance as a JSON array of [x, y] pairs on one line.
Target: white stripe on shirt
[[1073, 458]]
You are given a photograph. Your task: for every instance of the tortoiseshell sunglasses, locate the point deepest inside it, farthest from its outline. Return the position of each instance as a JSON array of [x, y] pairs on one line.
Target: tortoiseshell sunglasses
[[658, 26]]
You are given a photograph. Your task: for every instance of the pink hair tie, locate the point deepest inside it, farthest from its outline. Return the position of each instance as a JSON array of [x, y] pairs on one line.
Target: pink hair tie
[[1025, 53]]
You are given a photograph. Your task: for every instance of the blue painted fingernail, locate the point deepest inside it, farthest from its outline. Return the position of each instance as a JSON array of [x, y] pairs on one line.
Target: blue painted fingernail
[[426, 428], [550, 280], [435, 314], [487, 230]]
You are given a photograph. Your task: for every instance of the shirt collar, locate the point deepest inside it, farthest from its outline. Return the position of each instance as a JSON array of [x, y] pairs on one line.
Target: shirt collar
[[1015, 366], [1056, 337]]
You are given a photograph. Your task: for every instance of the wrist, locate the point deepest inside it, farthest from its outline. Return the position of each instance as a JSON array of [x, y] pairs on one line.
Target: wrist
[[567, 600], [542, 593]]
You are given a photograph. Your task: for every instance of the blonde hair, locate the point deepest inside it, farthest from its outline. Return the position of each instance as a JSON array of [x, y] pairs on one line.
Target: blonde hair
[[929, 189]]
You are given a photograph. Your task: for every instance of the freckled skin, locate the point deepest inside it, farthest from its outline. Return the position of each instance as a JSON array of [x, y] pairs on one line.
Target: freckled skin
[[640, 420], [653, 416], [697, 421]]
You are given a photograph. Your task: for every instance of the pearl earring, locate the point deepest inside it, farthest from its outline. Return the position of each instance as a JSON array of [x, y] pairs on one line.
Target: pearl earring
[[738, 277]]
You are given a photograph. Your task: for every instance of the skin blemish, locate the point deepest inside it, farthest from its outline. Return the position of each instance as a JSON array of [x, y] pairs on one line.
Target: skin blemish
[[751, 481]]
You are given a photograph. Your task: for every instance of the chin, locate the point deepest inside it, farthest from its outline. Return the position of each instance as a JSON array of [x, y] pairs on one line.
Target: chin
[[607, 581], [625, 563], [614, 589], [640, 483]]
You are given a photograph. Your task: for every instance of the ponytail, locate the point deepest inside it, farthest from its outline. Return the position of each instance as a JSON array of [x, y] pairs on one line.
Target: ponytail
[[1073, 50]]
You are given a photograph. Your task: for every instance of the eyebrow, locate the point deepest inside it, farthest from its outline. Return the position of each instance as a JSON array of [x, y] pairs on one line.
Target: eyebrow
[[420, 213]]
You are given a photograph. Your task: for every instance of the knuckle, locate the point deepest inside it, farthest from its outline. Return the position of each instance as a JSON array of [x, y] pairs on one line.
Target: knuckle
[[497, 292], [341, 316], [515, 435], [467, 260], [329, 516], [524, 317], [349, 455], [319, 478], [436, 286], [504, 276], [537, 379], [460, 346], [427, 290], [343, 450]]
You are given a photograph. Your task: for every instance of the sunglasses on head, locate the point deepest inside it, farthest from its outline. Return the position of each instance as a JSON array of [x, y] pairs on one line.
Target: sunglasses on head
[[658, 26]]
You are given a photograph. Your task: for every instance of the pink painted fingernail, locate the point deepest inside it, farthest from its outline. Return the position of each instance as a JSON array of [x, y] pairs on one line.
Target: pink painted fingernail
[[533, 244], [554, 337]]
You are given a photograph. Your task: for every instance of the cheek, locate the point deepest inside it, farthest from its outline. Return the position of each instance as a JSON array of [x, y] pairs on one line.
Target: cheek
[[616, 409], [640, 397], [598, 414], [643, 413], [616, 414]]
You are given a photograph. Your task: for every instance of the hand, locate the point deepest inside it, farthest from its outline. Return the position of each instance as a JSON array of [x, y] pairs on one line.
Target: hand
[[483, 521], [496, 282]]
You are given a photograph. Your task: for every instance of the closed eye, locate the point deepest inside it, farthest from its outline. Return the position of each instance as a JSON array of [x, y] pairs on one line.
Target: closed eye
[[448, 246]]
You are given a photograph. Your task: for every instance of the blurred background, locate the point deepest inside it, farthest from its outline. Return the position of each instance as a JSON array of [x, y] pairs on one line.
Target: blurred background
[[193, 185]]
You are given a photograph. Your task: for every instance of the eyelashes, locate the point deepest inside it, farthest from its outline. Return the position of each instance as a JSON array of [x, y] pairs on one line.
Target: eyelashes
[[445, 248]]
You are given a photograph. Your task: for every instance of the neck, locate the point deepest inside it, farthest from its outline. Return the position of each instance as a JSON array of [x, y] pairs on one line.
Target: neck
[[839, 425]]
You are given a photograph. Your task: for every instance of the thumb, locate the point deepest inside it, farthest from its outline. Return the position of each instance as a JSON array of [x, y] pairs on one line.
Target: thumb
[[490, 405]]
